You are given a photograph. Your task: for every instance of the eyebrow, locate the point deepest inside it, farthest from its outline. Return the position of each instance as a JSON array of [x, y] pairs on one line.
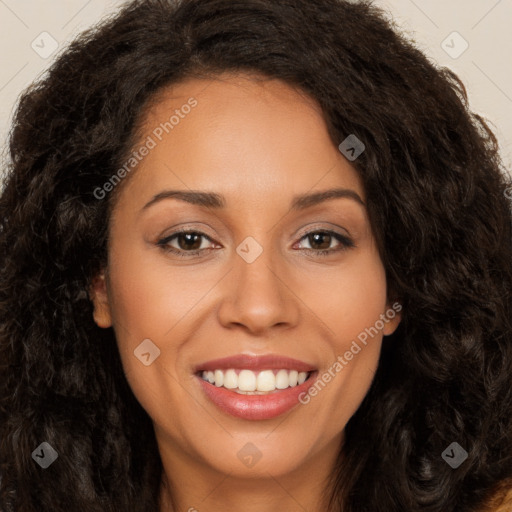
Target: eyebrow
[[217, 201]]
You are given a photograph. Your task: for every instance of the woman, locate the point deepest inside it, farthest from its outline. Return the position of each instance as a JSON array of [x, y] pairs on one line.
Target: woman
[[254, 256]]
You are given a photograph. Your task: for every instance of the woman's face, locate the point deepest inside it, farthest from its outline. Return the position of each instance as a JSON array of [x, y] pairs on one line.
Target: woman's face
[[271, 268]]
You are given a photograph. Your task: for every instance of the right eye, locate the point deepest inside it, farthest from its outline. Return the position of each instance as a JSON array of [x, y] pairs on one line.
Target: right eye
[[188, 243]]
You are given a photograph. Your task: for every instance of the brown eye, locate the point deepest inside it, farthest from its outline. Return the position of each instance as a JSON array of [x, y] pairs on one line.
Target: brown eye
[[320, 242], [185, 243], [189, 241]]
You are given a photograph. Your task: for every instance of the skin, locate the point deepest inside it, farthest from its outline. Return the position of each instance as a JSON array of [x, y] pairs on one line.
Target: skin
[[259, 143]]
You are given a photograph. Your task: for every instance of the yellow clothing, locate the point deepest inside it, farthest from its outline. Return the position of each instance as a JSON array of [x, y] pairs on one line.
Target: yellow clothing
[[501, 500]]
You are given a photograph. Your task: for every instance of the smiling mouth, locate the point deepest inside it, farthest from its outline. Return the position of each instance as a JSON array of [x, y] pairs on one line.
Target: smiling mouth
[[248, 382]]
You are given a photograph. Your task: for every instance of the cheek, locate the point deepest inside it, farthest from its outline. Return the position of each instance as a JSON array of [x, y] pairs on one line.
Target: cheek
[[350, 299], [350, 304], [149, 296], [145, 312], [153, 300]]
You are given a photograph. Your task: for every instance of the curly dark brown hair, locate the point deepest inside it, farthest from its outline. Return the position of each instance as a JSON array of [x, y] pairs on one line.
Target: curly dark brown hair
[[437, 199]]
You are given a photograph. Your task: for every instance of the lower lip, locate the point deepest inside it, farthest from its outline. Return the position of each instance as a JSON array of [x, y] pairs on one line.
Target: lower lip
[[256, 407]]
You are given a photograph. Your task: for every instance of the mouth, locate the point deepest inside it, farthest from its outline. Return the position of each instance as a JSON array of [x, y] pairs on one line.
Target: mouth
[[248, 382], [255, 387]]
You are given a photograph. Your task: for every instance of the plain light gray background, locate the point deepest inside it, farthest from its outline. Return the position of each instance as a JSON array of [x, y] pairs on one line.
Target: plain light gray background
[[472, 37]]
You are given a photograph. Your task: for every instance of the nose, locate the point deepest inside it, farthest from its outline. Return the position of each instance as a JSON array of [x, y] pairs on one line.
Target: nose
[[258, 297]]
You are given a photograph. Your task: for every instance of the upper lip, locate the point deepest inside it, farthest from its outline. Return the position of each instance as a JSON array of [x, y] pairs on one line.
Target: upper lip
[[252, 362]]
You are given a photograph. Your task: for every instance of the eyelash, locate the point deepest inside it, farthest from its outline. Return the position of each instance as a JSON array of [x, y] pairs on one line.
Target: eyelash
[[346, 243]]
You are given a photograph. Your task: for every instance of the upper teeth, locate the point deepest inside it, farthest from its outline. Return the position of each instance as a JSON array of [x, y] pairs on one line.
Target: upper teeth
[[247, 380]]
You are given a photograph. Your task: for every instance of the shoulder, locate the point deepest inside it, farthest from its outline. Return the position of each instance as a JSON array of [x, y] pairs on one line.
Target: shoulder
[[501, 500]]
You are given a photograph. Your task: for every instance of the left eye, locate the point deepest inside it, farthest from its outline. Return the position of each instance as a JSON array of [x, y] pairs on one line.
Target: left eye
[[321, 241]]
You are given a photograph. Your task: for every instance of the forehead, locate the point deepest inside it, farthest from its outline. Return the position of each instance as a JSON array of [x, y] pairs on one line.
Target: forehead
[[239, 133]]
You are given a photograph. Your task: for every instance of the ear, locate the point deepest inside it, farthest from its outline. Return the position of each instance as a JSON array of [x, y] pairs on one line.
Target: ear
[[99, 297], [394, 316]]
